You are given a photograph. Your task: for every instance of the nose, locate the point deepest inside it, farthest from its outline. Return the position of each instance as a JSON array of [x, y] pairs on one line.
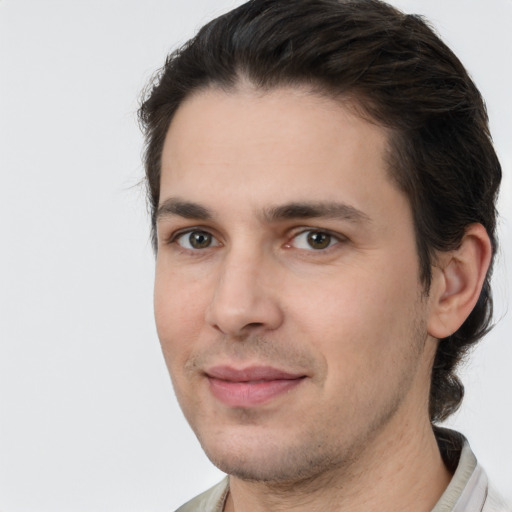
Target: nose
[[246, 296]]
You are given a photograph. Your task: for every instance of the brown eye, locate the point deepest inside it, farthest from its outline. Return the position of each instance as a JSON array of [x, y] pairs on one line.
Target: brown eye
[[195, 240], [200, 239], [318, 240], [314, 240]]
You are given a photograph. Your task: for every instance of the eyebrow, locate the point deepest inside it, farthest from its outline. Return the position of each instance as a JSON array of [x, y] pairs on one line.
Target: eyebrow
[[186, 209], [307, 210], [289, 211]]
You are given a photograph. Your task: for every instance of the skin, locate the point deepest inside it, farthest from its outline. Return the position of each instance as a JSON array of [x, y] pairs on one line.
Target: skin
[[352, 318]]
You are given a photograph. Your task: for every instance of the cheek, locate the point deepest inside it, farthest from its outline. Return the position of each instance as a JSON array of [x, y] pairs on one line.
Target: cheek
[[179, 315], [362, 320]]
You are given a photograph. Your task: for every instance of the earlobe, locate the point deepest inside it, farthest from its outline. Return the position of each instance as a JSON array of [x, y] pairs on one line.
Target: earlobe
[[457, 281]]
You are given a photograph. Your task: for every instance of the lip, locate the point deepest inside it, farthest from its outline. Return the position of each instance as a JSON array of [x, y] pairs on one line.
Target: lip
[[251, 386]]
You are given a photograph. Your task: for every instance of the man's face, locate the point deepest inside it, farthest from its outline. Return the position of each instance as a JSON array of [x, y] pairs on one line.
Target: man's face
[[287, 296]]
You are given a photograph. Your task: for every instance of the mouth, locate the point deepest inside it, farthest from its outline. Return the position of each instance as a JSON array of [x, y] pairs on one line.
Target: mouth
[[252, 386]]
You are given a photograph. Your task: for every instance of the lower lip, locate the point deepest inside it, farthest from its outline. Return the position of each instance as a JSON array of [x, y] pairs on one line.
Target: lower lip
[[250, 394]]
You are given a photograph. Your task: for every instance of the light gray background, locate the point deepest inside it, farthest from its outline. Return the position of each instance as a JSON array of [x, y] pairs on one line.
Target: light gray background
[[88, 420]]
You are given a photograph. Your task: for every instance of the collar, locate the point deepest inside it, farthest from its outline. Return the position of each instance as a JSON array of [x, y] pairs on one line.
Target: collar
[[467, 491]]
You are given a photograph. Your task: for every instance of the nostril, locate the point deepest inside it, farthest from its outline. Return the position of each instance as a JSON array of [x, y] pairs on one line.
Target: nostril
[[239, 310], [254, 325]]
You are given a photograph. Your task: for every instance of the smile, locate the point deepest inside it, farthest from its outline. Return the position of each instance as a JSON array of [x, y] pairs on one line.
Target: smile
[[250, 387]]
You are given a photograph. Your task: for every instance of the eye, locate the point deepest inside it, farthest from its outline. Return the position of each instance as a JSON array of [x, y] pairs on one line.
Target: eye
[[197, 239], [316, 240]]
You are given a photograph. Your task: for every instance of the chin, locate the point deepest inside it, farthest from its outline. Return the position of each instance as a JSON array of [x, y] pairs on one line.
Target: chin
[[267, 460]]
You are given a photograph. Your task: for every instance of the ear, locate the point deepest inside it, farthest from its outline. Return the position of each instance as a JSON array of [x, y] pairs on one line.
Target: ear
[[457, 281]]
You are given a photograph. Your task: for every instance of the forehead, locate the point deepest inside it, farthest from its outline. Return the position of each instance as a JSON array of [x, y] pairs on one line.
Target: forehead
[[287, 144], [297, 113]]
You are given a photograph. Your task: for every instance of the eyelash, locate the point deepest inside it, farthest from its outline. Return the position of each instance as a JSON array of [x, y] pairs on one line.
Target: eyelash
[[332, 239], [175, 238]]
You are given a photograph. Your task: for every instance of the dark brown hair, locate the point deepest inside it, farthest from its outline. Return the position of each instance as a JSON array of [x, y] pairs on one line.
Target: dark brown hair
[[400, 75]]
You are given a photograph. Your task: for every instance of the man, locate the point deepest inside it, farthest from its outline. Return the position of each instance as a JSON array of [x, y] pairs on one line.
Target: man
[[322, 186]]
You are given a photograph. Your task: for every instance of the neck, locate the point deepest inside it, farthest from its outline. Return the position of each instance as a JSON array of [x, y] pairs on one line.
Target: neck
[[401, 469]]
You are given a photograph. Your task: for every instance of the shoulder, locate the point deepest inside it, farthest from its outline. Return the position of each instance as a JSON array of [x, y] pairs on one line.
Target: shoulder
[[211, 500], [495, 503]]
